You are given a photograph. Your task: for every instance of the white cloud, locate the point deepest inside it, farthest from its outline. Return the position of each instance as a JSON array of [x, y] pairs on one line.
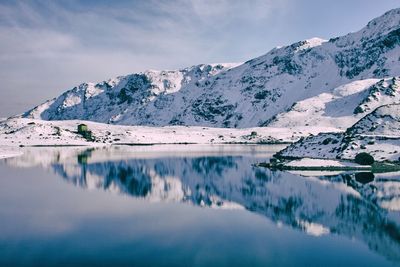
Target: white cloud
[[18, 41]]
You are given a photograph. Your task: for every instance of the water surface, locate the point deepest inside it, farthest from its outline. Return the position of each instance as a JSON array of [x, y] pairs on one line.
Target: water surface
[[190, 205]]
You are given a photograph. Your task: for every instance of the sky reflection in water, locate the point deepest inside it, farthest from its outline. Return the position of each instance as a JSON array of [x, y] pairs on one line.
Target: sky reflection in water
[[190, 206]]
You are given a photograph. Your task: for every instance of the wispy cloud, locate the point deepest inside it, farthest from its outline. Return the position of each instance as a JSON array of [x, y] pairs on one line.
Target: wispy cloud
[[141, 27]]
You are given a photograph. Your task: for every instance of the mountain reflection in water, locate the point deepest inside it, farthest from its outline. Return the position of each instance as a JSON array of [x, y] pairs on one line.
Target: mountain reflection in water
[[362, 206]]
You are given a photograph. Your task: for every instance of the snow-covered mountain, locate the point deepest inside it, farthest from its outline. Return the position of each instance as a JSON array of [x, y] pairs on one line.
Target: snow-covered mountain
[[300, 84]]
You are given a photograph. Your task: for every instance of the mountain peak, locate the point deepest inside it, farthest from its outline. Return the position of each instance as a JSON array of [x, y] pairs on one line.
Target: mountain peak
[[315, 41], [391, 17], [386, 23]]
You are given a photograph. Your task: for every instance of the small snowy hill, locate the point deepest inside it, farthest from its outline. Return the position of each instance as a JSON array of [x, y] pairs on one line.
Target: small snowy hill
[[378, 133], [309, 78]]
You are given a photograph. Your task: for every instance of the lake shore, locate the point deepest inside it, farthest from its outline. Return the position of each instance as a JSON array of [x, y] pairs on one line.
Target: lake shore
[[314, 164], [29, 132]]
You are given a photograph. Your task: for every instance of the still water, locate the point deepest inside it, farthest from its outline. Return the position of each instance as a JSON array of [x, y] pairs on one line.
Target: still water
[[190, 205]]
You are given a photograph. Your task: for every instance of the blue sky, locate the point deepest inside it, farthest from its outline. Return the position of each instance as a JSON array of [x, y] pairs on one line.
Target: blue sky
[[47, 47]]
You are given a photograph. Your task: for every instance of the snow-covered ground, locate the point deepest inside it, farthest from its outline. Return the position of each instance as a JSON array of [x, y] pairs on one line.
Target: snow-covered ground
[[29, 132], [310, 162]]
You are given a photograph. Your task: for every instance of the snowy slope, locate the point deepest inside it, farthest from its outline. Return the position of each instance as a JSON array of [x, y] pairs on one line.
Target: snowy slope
[[316, 74], [342, 106], [378, 133]]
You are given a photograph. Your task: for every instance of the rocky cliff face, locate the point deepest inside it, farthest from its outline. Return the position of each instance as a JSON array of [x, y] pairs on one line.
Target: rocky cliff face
[[254, 93]]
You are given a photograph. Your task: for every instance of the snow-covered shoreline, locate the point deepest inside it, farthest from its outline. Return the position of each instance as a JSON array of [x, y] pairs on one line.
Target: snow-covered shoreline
[[29, 132], [310, 162]]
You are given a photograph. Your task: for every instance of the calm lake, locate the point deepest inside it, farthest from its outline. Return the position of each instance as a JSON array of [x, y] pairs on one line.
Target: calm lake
[[190, 205]]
